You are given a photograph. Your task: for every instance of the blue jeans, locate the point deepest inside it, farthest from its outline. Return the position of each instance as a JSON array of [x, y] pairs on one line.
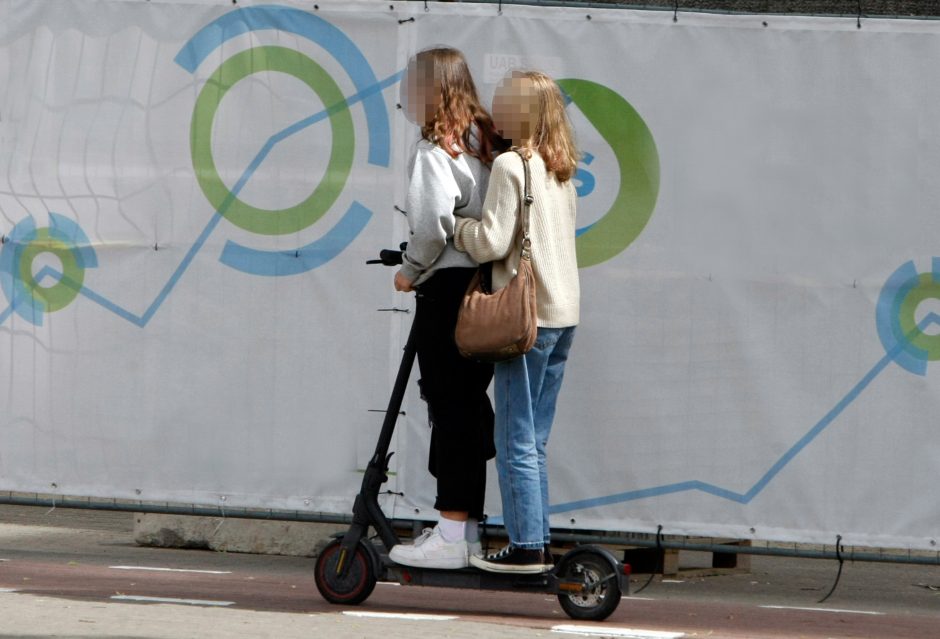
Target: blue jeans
[[526, 390]]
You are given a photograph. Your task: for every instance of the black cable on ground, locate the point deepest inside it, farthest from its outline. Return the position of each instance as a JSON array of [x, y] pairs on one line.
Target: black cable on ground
[[659, 560], [839, 573]]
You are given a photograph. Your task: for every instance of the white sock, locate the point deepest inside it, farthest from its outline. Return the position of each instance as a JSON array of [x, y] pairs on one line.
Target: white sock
[[451, 530], [472, 532]]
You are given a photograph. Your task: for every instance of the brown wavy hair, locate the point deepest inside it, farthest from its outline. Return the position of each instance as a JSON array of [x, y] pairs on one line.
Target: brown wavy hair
[[458, 109], [551, 133]]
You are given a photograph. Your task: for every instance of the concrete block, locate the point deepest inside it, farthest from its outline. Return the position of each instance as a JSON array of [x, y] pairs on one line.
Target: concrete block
[[300, 539]]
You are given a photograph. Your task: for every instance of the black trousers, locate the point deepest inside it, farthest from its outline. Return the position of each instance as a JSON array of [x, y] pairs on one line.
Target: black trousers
[[454, 387]]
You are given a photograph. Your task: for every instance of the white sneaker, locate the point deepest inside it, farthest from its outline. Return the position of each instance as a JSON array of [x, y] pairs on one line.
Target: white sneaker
[[423, 537], [433, 552]]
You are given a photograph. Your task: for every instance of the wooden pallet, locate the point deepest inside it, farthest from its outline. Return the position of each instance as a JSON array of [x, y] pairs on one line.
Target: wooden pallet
[[667, 561]]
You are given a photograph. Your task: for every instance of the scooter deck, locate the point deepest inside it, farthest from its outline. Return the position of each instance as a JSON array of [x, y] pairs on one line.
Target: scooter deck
[[550, 582], [470, 578]]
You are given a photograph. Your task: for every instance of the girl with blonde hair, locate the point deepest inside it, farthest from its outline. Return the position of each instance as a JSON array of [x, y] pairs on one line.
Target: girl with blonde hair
[[528, 110], [449, 174]]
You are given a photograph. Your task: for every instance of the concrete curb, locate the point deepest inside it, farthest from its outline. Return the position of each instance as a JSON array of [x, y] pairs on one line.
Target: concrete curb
[[297, 539]]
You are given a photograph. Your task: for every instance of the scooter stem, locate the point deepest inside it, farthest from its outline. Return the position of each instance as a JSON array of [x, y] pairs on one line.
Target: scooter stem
[[366, 509]]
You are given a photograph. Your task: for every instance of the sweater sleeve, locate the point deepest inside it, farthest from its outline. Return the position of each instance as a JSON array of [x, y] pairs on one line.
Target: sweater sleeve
[[432, 196], [490, 239]]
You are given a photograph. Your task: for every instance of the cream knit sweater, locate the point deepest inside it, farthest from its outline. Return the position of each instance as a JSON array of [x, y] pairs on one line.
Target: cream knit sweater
[[496, 237]]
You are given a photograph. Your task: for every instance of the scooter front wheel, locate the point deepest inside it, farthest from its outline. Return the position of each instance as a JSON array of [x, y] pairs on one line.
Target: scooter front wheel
[[600, 591], [356, 585]]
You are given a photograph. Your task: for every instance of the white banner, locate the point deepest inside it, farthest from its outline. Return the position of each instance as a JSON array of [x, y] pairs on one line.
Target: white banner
[[189, 191]]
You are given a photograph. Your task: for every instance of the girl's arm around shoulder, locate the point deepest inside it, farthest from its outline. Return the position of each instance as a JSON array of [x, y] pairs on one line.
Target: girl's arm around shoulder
[[490, 239]]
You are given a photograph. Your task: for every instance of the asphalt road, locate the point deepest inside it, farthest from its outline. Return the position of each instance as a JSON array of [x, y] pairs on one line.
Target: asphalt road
[[79, 574]]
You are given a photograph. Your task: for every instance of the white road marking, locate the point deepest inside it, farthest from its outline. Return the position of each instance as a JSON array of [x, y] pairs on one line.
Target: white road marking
[[389, 583], [399, 615], [811, 609], [8, 590], [627, 633], [190, 602], [203, 572]]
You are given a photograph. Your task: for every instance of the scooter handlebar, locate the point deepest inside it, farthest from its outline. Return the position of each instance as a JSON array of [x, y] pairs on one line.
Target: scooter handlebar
[[388, 257]]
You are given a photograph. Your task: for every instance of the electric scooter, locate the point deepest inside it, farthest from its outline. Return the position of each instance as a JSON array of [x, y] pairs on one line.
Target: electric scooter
[[588, 580]]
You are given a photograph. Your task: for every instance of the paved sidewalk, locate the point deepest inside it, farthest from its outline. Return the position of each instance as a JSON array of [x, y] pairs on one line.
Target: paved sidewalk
[[101, 536], [65, 559], [28, 616]]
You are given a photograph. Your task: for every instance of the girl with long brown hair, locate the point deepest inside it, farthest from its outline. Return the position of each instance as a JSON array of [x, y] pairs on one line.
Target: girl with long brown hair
[[449, 174], [529, 110]]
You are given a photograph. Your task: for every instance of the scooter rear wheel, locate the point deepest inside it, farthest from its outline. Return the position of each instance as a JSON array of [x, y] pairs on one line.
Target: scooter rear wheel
[[356, 585], [601, 594]]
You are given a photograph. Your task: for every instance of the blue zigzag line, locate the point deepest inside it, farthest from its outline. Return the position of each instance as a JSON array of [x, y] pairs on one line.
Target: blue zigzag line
[[142, 320], [786, 458]]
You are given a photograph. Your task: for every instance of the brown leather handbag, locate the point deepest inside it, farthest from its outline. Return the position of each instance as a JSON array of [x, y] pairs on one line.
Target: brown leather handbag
[[501, 325]]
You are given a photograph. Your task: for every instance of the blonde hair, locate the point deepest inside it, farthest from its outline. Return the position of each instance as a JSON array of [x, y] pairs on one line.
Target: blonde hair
[[551, 135], [459, 107]]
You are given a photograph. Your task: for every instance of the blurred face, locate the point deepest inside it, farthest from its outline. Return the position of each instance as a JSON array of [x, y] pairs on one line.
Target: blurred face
[[421, 95], [515, 109]]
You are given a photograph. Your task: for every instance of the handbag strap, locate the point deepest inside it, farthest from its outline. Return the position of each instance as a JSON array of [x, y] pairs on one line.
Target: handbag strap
[[524, 205]]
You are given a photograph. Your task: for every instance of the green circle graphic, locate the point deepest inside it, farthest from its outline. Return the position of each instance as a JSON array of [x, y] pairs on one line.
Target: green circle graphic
[[633, 146], [61, 294], [927, 288], [245, 216]]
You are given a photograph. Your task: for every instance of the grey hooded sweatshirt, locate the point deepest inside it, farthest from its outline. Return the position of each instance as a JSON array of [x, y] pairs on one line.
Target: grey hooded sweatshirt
[[440, 187]]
